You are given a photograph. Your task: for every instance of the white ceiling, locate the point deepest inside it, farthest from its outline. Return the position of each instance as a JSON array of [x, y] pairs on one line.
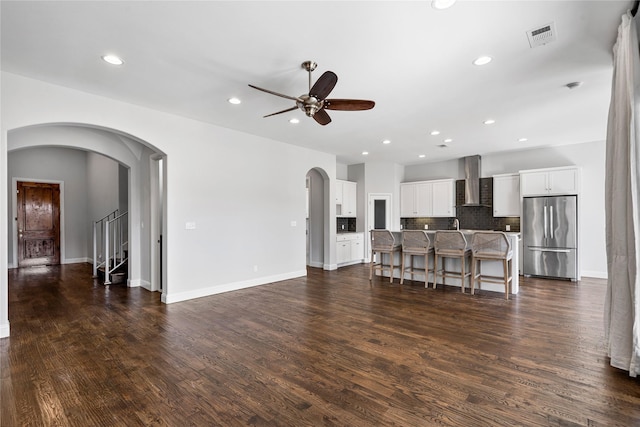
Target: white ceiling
[[414, 61]]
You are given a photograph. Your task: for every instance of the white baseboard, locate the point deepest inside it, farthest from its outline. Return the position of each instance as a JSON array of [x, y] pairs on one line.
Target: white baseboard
[[330, 267], [64, 261], [4, 329], [75, 260], [315, 264], [595, 274], [139, 283], [213, 290]]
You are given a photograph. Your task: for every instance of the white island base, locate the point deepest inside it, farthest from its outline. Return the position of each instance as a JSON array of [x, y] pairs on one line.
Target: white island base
[[487, 268]]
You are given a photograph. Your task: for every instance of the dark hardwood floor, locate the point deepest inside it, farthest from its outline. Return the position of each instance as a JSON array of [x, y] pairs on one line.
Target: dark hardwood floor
[[329, 349]]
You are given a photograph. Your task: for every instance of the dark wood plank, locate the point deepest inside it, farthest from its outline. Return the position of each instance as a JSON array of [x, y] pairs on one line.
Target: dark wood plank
[[329, 349]]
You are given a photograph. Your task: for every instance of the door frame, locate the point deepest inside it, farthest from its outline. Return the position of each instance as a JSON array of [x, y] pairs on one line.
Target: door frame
[[157, 217], [14, 216], [371, 198]]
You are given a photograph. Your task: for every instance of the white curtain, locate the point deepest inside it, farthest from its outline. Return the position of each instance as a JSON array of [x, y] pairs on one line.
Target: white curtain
[[622, 183]]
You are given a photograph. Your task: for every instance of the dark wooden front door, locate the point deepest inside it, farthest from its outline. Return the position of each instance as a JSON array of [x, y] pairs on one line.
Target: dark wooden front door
[[38, 224]]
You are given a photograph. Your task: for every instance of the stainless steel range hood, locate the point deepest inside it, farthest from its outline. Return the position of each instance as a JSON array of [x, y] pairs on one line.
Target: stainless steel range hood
[[471, 181]]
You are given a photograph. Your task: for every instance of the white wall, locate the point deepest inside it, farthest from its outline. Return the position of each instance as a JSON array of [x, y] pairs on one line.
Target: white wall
[[102, 177], [51, 164], [590, 157], [246, 194]]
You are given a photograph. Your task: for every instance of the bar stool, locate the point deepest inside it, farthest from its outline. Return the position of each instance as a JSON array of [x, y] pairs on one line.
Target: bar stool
[[491, 246], [383, 242], [451, 244], [416, 243]]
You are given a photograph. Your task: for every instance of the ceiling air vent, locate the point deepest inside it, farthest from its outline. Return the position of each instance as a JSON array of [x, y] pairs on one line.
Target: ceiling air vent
[[542, 35]]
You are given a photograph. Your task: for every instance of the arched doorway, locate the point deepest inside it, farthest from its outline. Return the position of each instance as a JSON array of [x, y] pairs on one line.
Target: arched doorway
[[131, 162], [317, 183]]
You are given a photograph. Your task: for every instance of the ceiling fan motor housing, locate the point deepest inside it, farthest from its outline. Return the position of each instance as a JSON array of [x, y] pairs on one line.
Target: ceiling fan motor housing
[[309, 104]]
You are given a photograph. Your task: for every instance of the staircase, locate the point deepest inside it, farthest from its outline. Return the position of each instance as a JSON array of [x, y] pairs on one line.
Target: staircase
[[110, 248], [117, 275]]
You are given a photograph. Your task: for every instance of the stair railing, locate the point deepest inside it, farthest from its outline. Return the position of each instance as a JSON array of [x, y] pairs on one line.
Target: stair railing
[[116, 240], [99, 258]]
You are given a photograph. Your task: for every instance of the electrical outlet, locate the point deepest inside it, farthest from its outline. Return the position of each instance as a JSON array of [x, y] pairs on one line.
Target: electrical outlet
[[255, 268], [426, 226], [507, 227], [343, 226]]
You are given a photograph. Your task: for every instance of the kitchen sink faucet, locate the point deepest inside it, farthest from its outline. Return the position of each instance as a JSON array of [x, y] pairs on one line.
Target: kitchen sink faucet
[[456, 223]]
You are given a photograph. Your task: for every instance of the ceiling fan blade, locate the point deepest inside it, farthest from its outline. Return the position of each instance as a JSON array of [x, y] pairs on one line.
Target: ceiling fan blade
[[280, 112], [325, 84], [322, 117], [276, 93], [348, 104]]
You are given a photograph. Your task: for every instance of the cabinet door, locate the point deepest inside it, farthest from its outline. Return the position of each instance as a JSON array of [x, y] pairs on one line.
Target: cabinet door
[[424, 199], [349, 198], [443, 198], [506, 196], [343, 251], [339, 192], [407, 200], [357, 248], [563, 181], [534, 183]]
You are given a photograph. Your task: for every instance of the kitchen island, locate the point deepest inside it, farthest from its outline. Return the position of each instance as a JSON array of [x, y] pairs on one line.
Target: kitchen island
[[486, 267]]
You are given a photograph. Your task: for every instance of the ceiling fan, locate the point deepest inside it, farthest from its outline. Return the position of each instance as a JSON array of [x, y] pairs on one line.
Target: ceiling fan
[[314, 104]]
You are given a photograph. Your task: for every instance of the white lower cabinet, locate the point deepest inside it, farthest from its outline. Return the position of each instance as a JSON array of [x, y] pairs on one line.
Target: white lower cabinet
[[349, 248]]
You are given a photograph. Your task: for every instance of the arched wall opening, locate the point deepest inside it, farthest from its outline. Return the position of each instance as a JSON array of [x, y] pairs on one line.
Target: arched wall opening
[[317, 218], [111, 159]]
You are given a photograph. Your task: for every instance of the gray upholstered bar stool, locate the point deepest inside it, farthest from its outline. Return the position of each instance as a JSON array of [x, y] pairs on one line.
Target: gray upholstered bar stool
[[416, 243], [383, 242], [491, 246], [451, 244]]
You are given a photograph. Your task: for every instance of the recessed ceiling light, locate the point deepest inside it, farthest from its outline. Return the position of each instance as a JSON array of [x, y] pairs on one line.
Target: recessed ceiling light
[[489, 122], [442, 4], [294, 121], [522, 140], [422, 156], [443, 146], [448, 140], [435, 132], [386, 141], [483, 60], [112, 59], [234, 101], [573, 85], [365, 153]]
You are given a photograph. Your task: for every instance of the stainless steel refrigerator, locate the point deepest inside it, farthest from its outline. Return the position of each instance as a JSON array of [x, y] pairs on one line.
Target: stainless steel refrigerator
[[550, 236]]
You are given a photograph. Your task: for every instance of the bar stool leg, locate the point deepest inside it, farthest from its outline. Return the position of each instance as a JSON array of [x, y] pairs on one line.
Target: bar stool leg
[[505, 263]]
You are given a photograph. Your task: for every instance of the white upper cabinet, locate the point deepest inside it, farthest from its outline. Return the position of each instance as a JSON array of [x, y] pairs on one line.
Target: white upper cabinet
[[427, 199], [506, 195], [346, 198], [552, 181], [444, 198]]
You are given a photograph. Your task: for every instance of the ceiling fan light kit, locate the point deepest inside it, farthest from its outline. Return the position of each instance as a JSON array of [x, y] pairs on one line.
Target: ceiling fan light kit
[[314, 104]]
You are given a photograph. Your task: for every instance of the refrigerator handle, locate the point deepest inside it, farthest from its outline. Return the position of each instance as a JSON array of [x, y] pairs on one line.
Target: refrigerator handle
[[545, 222], [551, 221]]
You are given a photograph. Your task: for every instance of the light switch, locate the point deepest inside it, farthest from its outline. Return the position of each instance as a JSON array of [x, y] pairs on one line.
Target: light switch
[[294, 223], [190, 226]]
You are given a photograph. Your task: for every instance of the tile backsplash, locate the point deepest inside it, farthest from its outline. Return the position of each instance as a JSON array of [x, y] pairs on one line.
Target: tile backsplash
[[470, 217], [345, 225]]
